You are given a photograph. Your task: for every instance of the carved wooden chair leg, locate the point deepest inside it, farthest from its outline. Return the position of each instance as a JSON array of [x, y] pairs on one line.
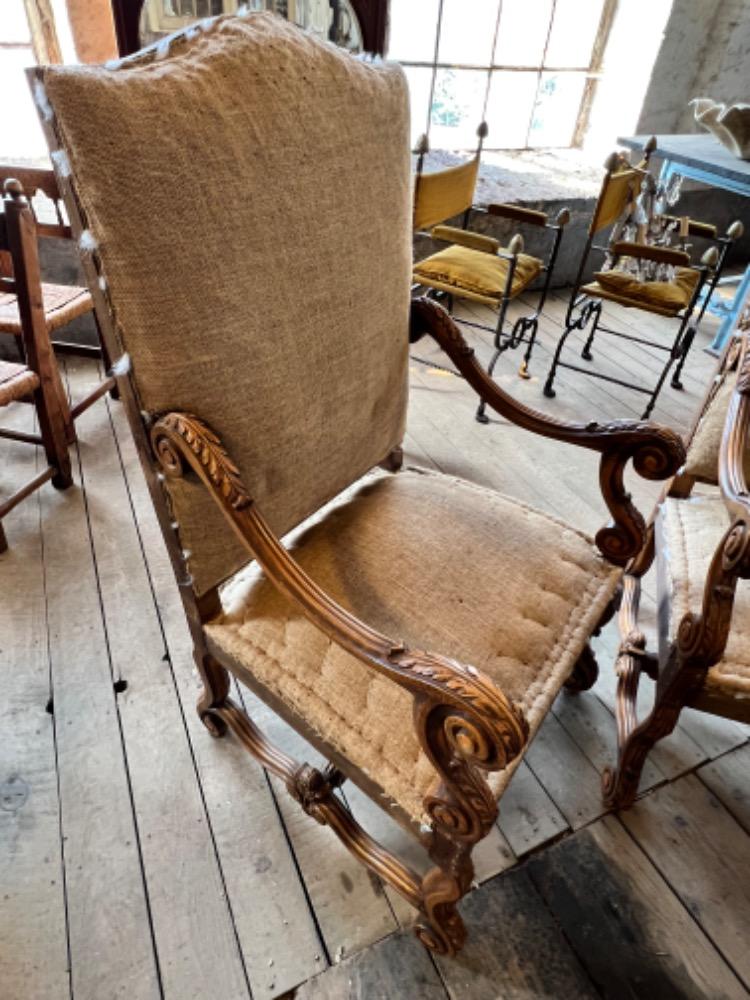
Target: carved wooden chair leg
[[440, 927], [216, 686], [585, 672]]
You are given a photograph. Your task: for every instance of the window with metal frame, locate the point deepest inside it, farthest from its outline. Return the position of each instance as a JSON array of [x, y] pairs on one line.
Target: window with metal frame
[[527, 67]]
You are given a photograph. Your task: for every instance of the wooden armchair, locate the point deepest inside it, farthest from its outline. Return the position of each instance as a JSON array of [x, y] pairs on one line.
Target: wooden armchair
[[37, 379], [475, 266], [679, 299], [374, 629], [701, 542]]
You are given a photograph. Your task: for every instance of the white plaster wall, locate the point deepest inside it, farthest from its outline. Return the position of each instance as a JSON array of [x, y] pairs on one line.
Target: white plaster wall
[[705, 52]]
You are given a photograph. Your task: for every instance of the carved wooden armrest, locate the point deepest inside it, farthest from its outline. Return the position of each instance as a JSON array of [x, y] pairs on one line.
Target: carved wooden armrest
[[662, 255], [464, 722], [657, 452], [465, 238]]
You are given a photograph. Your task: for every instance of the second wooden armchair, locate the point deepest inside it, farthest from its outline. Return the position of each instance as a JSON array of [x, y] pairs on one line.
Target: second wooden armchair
[[419, 627]]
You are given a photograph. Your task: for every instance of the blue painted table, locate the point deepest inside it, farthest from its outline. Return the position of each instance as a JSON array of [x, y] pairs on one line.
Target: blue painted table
[[703, 158]]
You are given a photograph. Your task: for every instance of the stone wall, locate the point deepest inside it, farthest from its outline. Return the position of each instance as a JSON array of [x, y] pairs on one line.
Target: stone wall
[[705, 52]]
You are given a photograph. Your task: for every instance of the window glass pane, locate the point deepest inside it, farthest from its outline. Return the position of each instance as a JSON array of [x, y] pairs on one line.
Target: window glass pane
[[14, 26], [21, 136], [457, 103], [556, 109], [420, 80], [574, 29], [509, 108], [466, 32], [413, 27], [522, 32]]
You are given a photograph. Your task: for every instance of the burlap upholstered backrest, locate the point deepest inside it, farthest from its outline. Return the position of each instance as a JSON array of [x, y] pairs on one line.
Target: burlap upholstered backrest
[[247, 192]]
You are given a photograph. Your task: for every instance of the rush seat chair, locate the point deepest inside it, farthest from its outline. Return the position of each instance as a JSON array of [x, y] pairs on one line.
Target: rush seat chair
[[37, 380], [678, 299], [373, 629], [701, 542], [475, 266], [62, 303]]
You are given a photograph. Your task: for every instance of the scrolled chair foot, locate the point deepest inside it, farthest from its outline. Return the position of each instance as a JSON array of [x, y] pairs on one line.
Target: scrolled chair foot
[[676, 383], [214, 695], [587, 355], [481, 416], [619, 787], [585, 672], [523, 370], [440, 927], [549, 392], [213, 722]]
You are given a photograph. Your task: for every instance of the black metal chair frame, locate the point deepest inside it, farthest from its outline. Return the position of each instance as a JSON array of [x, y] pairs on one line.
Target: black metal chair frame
[[524, 329], [584, 309]]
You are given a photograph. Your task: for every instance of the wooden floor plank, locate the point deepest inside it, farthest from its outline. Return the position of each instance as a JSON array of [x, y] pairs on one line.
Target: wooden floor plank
[[398, 967], [111, 947], [514, 951], [350, 904], [568, 776], [196, 940], [701, 850], [528, 816], [729, 780], [278, 939], [627, 927], [33, 939]]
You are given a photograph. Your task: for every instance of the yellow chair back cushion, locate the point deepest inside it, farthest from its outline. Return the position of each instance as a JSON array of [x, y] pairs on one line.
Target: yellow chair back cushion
[[443, 194]]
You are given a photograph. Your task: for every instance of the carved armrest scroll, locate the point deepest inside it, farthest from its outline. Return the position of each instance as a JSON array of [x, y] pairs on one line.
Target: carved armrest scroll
[[463, 720], [657, 452]]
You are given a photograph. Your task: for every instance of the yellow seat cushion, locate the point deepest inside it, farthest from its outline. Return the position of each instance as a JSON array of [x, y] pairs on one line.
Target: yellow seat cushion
[[690, 531], [670, 295], [442, 565], [476, 272]]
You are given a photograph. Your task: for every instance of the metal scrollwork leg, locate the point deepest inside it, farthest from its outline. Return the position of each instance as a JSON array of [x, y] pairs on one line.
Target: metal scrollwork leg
[[593, 309]]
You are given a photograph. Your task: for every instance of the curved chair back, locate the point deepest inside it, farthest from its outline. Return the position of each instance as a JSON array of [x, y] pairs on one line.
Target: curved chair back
[[443, 194], [620, 187], [225, 179]]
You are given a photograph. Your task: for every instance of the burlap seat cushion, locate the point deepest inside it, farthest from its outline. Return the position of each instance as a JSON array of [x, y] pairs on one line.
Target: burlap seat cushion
[[62, 303], [464, 269], [690, 531], [227, 181], [703, 450], [442, 565], [16, 381]]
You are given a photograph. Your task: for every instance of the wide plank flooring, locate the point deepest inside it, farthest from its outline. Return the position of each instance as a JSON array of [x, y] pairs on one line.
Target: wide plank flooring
[[139, 858]]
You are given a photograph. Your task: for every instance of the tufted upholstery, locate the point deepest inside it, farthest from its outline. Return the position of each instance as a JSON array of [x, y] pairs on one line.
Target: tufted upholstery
[[227, 178], [442, 565], [690, 531]]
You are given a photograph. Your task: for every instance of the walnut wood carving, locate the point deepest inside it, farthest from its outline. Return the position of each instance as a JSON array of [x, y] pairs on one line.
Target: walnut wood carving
[[701, 638], [464, 723], [656, 451]]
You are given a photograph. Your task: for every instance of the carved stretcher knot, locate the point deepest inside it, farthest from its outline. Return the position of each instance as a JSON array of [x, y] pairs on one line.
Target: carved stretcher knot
[[312, 788]]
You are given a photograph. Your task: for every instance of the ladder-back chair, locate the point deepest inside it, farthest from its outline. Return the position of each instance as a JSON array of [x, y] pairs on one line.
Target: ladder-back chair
[[62, 303], [701, 542], [678, 299], [37, 379], [333, 628], [475, 266]]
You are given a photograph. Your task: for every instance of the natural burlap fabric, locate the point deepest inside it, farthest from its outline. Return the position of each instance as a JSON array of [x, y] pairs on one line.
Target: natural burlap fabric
[[703, 450], [442, 565], [690, 532], [249, 192]]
